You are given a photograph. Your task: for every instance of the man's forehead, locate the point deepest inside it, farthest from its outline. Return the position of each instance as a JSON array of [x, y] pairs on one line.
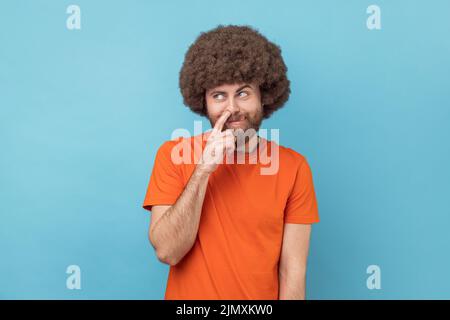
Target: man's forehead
[[233, 86]]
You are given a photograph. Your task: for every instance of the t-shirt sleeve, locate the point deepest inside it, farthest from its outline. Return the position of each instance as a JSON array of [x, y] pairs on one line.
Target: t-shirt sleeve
[[301, 206], [166, 183]]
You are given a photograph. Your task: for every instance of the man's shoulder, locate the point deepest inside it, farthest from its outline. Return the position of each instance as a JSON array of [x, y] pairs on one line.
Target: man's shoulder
[[182, 147], [290, 155], [169, 144]]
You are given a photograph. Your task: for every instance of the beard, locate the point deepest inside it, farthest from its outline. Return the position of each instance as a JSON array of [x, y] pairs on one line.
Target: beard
[[245, 122], [248, 123]]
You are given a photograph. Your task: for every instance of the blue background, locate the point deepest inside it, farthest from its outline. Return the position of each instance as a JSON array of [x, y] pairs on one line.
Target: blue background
[[82, 113]]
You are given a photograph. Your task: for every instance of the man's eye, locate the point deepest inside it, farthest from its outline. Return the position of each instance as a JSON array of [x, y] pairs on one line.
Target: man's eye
[[218, 96], [244, 92]]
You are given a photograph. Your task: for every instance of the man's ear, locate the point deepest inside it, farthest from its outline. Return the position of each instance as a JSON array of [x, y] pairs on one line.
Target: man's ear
[[204, 107]]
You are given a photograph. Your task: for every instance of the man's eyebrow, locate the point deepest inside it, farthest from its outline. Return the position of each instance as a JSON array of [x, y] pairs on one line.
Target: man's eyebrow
[[239, 89], [216, 91], [244, 86]]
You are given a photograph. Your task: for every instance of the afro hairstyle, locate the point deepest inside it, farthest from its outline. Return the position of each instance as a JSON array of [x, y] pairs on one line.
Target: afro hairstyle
[[233, 54]]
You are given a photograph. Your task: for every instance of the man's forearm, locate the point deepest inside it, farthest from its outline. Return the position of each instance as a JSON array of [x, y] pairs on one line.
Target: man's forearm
[[292, 285], [174, 233]]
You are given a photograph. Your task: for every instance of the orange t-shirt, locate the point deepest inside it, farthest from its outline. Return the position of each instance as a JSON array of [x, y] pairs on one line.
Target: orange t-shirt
[[238, 244]]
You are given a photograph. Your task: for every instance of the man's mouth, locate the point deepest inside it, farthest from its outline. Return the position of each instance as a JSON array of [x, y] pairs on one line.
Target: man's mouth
[[235, 120]]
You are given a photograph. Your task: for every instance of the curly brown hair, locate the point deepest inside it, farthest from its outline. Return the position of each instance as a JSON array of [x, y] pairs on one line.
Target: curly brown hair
[[234, 54]]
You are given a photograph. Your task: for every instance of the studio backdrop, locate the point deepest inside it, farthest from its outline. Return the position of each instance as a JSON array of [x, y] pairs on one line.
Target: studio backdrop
[[89, 91]]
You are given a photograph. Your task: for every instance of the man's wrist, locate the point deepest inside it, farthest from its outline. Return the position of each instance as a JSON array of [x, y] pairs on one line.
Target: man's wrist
[[201, 171]]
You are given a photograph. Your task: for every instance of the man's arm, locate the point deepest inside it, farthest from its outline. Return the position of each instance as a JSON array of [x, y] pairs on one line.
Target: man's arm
[[173, 229], [293, 260]]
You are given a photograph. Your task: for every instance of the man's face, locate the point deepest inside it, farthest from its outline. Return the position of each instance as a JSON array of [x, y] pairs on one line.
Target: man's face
[[244, 102]]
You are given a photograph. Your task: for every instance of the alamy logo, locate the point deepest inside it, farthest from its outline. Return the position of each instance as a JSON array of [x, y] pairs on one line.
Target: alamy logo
[[374, 20], [183, 153], [73, 22], [74, 280], [374, 280]]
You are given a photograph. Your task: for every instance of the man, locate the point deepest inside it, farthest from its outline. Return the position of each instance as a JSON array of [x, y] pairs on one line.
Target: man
[[226, 230]]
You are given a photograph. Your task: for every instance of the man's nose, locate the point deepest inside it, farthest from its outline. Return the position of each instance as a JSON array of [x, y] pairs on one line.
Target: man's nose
[[233, 106]]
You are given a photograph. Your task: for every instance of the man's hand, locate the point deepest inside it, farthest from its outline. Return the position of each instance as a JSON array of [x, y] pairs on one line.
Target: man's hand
[[175, 228], [218, 144]]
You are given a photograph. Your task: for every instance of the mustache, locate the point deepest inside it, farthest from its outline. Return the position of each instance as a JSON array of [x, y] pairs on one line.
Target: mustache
[[251, 120], [236, 117]]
